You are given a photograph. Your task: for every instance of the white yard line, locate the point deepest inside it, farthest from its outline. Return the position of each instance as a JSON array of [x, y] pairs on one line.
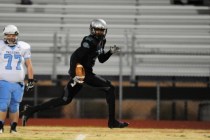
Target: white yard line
[[81, 137]]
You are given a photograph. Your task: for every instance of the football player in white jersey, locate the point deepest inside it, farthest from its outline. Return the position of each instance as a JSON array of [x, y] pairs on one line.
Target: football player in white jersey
[[14, 55]]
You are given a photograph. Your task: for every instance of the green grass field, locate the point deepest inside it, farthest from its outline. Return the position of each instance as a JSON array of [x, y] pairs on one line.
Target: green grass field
[[102, 133]]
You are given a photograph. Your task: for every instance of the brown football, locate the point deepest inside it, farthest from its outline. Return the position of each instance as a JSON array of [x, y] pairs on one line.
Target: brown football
[[80, 71]]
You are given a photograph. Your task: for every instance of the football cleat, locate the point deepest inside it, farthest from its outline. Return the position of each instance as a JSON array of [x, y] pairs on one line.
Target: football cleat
[[117, 124], [13, 128], [27, 112], [1, 127], [13, 131], [1, 130]]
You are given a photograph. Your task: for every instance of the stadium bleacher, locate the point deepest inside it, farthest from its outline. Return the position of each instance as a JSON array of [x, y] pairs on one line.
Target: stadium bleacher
[[169, 40]]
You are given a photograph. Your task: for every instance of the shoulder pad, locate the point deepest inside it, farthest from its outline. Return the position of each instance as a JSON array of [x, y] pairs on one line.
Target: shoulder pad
[[85, 44], [88, 38], [24, 45], [87, 41]]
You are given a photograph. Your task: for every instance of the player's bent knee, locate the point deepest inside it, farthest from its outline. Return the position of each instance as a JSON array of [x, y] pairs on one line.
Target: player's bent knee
[[66, 100], [14, 107], [111, 87]]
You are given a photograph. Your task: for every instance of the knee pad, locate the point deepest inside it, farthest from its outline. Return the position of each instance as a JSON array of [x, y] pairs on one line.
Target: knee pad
[[14, 107], [3, 106]]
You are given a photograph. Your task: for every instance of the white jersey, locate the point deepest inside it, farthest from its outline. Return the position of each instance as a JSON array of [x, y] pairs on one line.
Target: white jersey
[[12, 61]]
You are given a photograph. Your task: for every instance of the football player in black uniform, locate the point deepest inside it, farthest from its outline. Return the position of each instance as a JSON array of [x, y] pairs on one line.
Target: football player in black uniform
[[92, 47]]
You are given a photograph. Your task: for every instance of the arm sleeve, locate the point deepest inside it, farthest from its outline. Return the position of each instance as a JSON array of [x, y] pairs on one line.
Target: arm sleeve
[[104, 56]]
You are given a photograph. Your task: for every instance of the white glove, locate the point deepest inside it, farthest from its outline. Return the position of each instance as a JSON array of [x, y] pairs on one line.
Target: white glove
[[114, 49], [77, 79]]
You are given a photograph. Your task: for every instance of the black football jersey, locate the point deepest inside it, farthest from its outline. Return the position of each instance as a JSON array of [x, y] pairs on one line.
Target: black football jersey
[[90, 49]]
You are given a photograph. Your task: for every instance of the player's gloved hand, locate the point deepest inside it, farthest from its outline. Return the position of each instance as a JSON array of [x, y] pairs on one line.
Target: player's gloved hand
[[77, 79], [114, 49], [29, 88]]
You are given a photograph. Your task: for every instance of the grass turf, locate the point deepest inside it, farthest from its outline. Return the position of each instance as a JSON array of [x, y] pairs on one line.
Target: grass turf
[[101, 133]]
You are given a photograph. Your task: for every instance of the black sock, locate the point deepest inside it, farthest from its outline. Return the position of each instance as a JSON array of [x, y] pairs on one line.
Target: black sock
[[13, 125], [1, 124]]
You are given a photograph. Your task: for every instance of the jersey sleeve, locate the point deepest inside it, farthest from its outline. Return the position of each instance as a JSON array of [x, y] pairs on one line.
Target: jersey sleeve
[[27, 50]]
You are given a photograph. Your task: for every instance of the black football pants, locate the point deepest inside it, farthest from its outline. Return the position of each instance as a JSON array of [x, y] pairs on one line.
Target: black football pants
[[93, 81]]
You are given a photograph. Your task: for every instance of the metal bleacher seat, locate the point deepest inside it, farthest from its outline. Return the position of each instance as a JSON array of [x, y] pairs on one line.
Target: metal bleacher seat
[[173, 44], [169, 40]]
